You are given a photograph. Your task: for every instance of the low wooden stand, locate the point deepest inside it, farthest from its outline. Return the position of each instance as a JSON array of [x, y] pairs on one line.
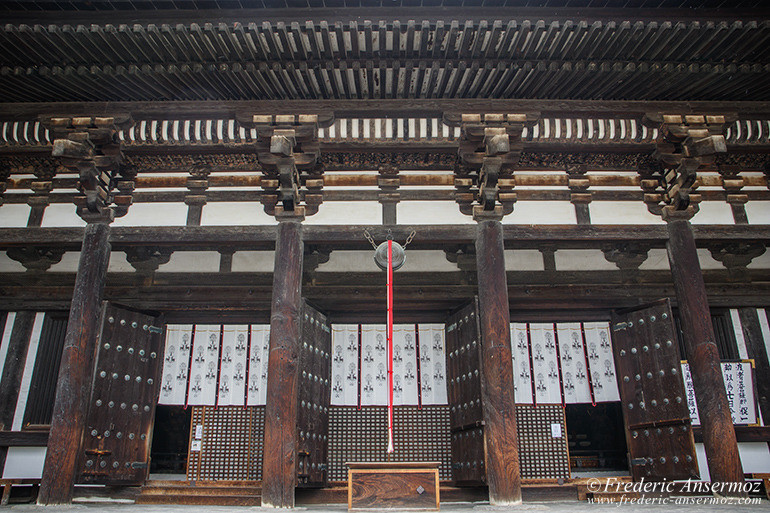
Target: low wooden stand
[[412, 485]]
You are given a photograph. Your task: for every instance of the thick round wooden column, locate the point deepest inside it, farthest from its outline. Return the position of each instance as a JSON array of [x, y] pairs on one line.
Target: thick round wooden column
[[279, 473], [500, 437], [74, 385], [718, 432]]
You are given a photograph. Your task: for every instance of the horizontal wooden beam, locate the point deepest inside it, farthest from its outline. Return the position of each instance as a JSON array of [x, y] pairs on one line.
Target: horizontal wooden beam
[[379, 108], [742, 433], [24, 438], [349, 237]]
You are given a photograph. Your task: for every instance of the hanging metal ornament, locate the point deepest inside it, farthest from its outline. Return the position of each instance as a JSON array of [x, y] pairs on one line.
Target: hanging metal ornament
[[398, 255]]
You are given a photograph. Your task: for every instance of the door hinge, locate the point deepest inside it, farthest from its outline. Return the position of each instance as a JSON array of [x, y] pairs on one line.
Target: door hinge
[[621, 326]]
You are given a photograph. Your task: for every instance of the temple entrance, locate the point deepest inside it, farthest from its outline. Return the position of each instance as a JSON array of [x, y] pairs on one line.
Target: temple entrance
[[170, 442], [596, 439]]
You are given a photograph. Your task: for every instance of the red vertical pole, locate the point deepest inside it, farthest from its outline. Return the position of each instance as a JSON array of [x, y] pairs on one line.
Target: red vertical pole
[[389, 335]]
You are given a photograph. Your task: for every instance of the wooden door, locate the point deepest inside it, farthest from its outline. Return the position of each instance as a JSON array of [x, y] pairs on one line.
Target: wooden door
[[126, 381], [658, 430], [463, 346], [314, 398]]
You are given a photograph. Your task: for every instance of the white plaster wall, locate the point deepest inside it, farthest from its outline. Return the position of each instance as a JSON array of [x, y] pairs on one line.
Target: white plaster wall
[[523, 260], [350, 261], [425, 261], [714, 212], [621, 212], [755, 458], [431, 212], [14, 215], [657, 260], [68, 264], [348, 212], [230, 213], [8, 265], [24, 463], [154, 214], [253, 261], [707, 262], [119, 264], [192, 261], [583, 260], [761, 262], [60, 215], [758, 212], [542, 212]]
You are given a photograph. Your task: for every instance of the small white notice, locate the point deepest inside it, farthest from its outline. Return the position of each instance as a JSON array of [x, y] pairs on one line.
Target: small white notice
[[195, 446], [199, 431], [555, 430]]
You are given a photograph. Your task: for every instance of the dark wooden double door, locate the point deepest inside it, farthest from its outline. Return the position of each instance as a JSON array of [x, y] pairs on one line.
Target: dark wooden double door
[[658, 428]]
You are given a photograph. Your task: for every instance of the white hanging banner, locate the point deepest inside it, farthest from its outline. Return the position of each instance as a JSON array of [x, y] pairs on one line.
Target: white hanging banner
[[232, 367], [432, 364], [601, 362], [739, 386], [345, 365], [573, 363], [545, 364], [404, 365], [202, 389], [522, 373], [176, 363], [259, 350], [374, 365]]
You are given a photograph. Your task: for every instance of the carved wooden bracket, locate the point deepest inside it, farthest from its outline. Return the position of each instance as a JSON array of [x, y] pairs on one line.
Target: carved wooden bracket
[[288, 151], [90, 146], [490, 147], [464, 256], [686, 143], [736, 256], [147, 260], [35, 258]]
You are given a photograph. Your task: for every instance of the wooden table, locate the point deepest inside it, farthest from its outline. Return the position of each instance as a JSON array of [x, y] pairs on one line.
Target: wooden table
[[412, 485]]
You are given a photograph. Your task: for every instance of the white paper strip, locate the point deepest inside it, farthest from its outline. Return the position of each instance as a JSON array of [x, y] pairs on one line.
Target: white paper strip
[[232, 366], [203, 374], [573, 364], [433, 364], [545, 364], [739, 338], [345, 365], [601, 362], [522, 373], [29, 368], [176, 361], [258, 355], [740, 392], [404, 365], [374, 366]]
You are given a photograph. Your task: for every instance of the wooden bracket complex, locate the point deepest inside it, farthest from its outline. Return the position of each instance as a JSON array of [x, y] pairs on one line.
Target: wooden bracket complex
[[490, 146], [288, 151], [686, 144], [90, 146]]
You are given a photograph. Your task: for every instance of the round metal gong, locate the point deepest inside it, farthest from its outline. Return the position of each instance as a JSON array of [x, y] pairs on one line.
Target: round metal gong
[[381, 256]]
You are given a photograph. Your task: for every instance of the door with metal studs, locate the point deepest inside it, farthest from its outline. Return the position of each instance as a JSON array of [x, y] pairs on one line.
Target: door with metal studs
[[463, 346], [658, 427], [126, 381]]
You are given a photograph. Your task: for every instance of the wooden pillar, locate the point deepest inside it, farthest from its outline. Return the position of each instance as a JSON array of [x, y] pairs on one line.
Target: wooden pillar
[[718, 432], [500, 437], [74, 384], [13, 372], [278, 467]]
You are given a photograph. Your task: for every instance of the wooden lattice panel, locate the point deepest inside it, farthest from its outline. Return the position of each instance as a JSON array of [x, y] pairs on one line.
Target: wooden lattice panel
[[361, 435], [540, 454], [230, 444]]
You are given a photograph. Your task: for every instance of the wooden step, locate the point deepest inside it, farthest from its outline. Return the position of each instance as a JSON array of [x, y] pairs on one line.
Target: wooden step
[[199, 490], [202, 500]]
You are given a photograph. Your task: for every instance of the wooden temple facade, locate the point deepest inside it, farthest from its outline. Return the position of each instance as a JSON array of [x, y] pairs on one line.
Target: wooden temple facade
[[189, 163]]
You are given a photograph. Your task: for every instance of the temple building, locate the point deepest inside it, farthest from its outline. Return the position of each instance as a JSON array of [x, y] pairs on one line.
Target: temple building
[[192, 193]]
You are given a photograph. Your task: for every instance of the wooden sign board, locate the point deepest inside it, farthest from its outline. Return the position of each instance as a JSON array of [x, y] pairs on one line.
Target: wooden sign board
[[397, 485]]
